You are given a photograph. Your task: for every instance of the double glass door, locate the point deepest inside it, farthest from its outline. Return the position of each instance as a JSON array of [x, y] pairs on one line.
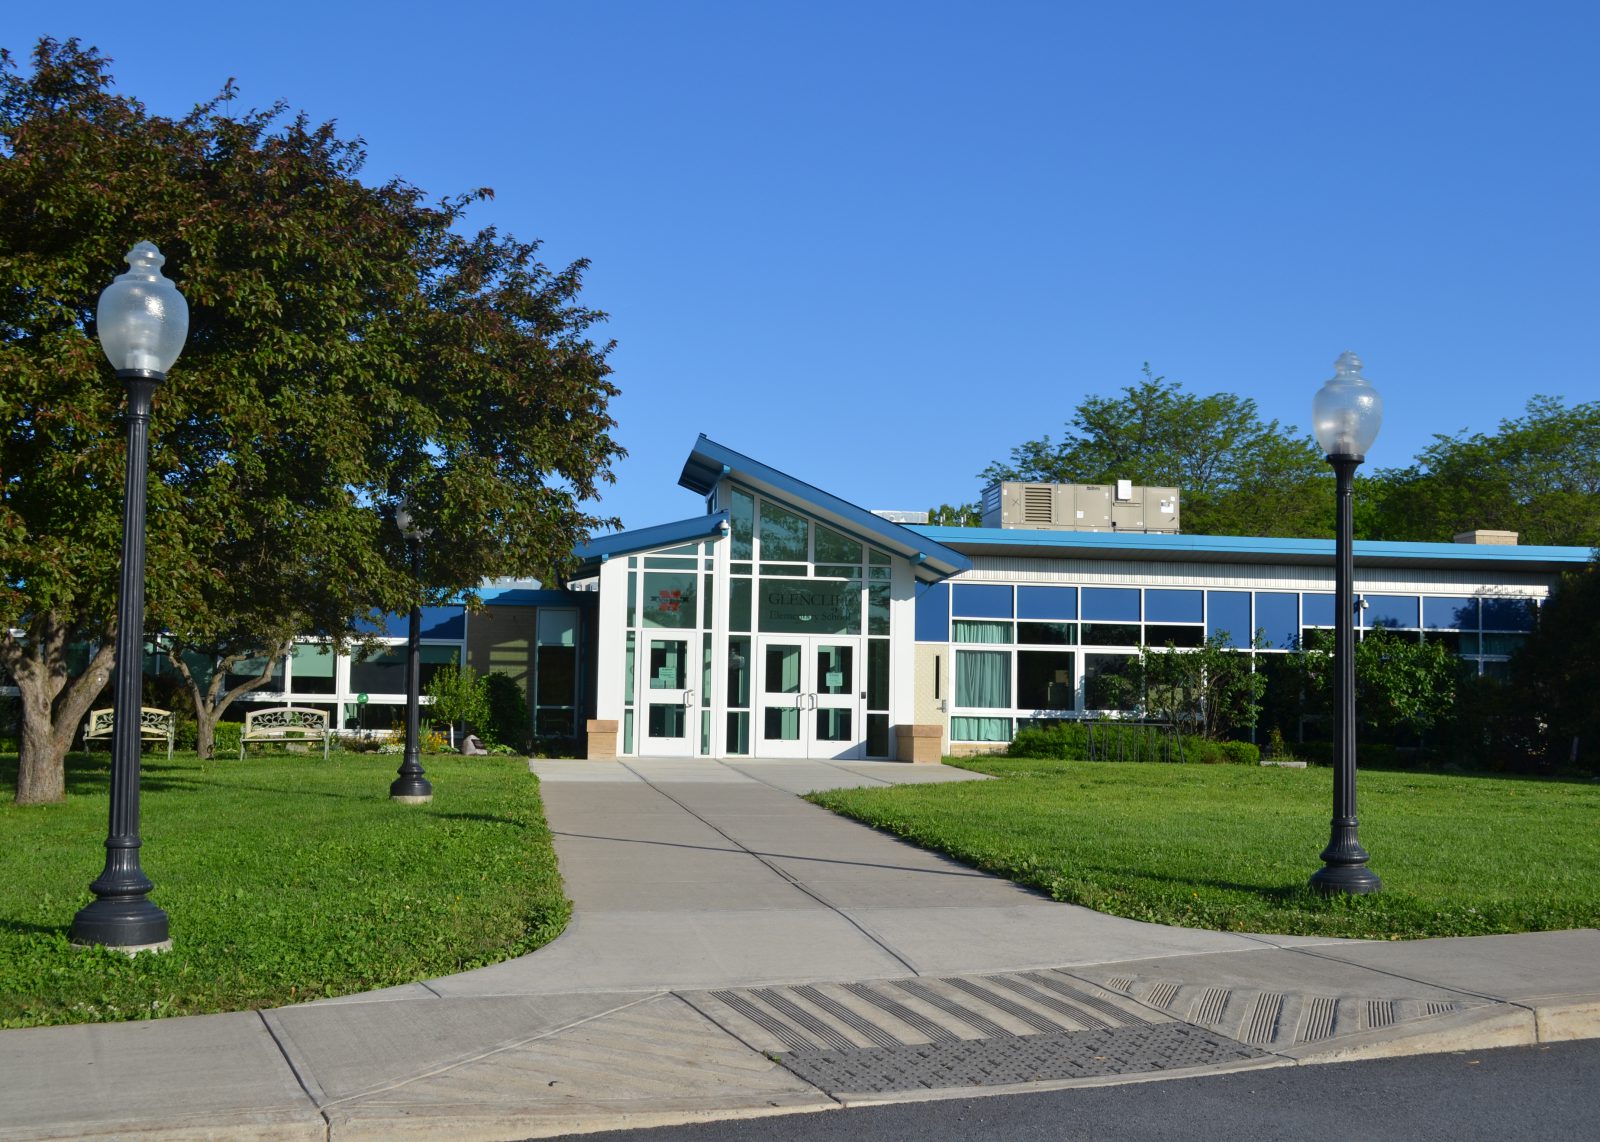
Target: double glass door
[[809, 698]]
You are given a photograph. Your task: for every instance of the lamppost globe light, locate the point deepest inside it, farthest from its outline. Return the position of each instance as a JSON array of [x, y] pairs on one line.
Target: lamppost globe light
[[403, 520], [142, 319], [1347, 411]]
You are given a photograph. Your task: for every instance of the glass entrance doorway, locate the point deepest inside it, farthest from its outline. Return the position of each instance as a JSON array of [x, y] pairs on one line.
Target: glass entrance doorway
[[671, 710], [809, 698]]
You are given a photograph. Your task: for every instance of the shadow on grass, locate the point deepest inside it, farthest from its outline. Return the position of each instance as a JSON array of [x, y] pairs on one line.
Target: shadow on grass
[[490, 818], [89, 775], [22, 927]]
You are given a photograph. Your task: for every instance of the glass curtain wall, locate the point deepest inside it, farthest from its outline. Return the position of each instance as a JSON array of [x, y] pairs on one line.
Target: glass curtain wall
[[791, 575], [1025, 651]]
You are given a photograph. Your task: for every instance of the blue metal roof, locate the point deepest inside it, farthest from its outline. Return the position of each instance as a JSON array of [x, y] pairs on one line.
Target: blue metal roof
[[1236, 548], [645, 538], [710, 462]]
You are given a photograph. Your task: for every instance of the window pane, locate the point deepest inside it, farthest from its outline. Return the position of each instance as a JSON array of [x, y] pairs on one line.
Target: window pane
[[742, 523], [1045, 679], [835, 548], [1048, 634], [1047, 602], [1278, 618], [556, 681], [739, 604], [669, 598], [1111, 634], [972, 630], [877, 735], [382, 673], [557, 627], [980, 729], [738, 733], [1111, 604], [783, 534], [440, 622], [1503, 643], [981, 600], [1450, 614], [1316, 610], [1228, 613], [878, 608], [1173, 607], [739, 672], [933, 613], [313, 669], [669, 664], [878, 674], [983, 678], [1508, 614], [1108, 682], [1398, 612], [1159, 635], [810, 606]]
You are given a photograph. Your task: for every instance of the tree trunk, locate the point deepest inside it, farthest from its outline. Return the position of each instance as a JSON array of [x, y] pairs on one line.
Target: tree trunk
[[53, 704], [210, 703]]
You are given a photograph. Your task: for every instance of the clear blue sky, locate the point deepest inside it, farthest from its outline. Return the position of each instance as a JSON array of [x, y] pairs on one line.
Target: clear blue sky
[[877, 244]]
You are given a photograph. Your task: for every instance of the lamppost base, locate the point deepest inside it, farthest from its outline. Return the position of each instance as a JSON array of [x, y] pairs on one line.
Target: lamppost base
[[123, 925], [411, 790], [1345, 880]]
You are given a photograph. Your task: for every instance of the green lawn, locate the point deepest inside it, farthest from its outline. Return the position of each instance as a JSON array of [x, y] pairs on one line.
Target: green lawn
[[286, 878], [1229, 847]]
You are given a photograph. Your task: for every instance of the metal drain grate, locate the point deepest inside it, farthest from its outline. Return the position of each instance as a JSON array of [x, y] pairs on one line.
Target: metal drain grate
[[1017, 1059]]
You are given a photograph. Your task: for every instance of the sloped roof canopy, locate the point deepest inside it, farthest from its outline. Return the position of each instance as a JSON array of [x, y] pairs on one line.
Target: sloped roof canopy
[[648, 538], [711, 462]]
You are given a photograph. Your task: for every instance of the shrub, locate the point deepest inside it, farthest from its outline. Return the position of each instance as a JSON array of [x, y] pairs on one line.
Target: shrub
[[225, 739], [1241, 753], [506, 722], [1064, 740]]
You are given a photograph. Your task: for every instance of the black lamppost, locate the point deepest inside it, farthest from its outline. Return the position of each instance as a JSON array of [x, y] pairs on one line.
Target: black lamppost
[[411, 787], [1346, 414], [142, 321]]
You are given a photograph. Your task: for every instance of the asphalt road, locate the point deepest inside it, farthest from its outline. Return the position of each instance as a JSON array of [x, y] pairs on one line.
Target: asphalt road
[[1549, 1093]]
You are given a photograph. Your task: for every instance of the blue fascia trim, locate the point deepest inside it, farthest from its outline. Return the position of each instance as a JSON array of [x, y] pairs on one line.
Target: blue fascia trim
[[711, 462], [645, 538], [1143, 545], [543, 597]]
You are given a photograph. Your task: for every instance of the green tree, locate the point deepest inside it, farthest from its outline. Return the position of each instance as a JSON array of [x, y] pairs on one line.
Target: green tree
[[1404, 688], [1236, 474], [1537, 475], [458, 696], [350, 345], [1552, 677], [955, 515], [1210, 690]]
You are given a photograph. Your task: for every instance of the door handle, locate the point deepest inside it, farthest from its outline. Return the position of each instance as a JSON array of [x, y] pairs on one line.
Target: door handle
[[688, 699]]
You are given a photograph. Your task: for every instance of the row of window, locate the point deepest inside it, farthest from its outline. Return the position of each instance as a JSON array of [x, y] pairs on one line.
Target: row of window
[[1151, 616]]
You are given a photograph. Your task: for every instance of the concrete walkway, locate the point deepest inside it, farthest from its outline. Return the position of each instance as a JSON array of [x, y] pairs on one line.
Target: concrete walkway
[[721, 923]]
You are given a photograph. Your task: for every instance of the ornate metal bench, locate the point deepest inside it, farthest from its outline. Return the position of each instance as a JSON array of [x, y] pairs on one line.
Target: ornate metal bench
[[155, 725], [283, 724]]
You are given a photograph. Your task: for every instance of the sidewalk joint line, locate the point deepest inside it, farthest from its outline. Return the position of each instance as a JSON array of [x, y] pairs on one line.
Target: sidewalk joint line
[[1410, 979], [289, 1061], [818, 897]]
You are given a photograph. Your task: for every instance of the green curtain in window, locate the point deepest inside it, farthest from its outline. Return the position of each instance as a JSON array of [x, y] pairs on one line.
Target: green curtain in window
[[980, 729], [983, 678], [974, 630]]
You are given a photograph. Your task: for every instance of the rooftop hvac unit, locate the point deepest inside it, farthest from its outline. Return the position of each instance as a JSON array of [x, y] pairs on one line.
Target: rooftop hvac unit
[[1124, 506]]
